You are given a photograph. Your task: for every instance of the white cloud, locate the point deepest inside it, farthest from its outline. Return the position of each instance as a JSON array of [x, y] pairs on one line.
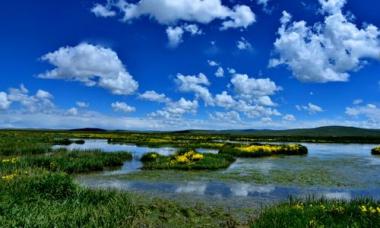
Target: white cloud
[[231, 117], [263, 2], [102, 11], [252, 88], [332, 6], [196, 11], [357, 101], [40, 102], [174, 110], [219, 72], [289, 117], [72, 112], [4, 102], [225, 100], [310, 107], [243, 44], [122, 107], [326, 51], [195, 84], [154, 96], [212, 63], [370, 111], [241, 17], [174, 36], [91, 65], [82, 104]]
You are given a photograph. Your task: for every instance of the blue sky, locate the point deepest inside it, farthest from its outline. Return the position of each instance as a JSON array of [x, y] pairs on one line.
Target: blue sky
[[211, 64]]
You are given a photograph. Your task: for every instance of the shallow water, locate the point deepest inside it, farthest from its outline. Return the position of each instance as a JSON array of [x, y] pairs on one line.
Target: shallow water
[[333, 171]]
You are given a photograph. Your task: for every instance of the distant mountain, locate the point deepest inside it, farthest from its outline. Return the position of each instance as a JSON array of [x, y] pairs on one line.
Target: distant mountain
[[89, 129], [328, 131]]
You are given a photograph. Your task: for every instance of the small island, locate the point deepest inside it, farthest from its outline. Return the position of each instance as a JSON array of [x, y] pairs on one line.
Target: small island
[[187, 159], [376, 150], [263, 150]]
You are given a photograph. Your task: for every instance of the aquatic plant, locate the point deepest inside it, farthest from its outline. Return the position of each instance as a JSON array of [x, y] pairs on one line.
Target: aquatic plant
[[261, 150]]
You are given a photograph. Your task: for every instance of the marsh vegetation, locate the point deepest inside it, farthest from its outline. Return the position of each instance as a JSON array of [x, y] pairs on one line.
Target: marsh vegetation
[[38, 186]]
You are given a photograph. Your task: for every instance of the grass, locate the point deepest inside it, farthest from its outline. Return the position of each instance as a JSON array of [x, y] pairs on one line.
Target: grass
[[376, 150], [45, 199], [187, 159], [263, 150], [321, 213], [67, 161]]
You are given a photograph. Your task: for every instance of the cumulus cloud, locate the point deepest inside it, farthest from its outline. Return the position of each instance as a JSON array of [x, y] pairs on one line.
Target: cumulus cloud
[[310, 107], [219, 72], [326, 51], [225, 100], [231, 117], [40, 102], [92, 65], [72, 112], [289, 117], [177, 109], [193, 11], [102, 11], [82, 104], [122, 107], [175, 34], [195, 84], [252, 88], [154, 96], [243, 44], [4, 102], [370, 111]]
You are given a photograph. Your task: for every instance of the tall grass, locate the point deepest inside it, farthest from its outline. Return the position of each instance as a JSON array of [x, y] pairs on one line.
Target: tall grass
[[44, 199], [321, 213], [68, 161]]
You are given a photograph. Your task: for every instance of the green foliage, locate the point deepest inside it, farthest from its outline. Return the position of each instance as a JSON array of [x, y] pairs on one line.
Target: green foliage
[[321, 213], [262, 150]]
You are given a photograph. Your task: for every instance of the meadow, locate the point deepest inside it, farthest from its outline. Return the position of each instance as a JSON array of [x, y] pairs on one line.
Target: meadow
[[38, 186]]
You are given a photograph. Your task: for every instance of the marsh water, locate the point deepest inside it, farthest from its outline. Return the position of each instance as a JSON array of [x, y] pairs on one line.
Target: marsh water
[[333, 171]]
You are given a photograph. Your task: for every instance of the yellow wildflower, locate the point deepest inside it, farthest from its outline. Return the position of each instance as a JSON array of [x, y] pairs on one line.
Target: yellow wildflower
[[182, 159], [8, 177], [372, 210], [363, 208], [197, 157]]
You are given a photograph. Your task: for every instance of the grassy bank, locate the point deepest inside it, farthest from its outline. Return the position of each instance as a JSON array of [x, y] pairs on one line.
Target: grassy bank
[[263, 150], [39, 198], [321, 213], [67, 161], [187, 159]]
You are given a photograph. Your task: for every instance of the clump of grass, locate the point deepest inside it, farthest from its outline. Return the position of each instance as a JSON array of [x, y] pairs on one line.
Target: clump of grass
[[68, 161], [44, 199], [187, 159], [321, 213], [262, 150], [376, 150]]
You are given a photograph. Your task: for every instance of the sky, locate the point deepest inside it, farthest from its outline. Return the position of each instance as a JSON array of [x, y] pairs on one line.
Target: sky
[[189, 64]]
